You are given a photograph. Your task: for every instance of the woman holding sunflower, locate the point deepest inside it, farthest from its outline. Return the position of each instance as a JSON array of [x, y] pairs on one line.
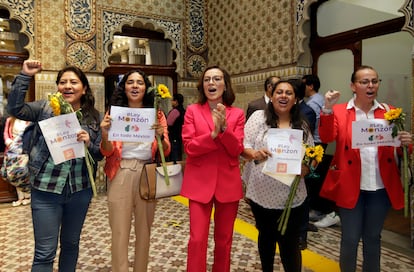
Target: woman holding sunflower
[[124, 162], [60, 194], [276, 222], [364, 182]]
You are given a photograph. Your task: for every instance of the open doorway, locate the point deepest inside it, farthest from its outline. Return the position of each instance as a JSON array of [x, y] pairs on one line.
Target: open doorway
[[12, 55], [147, 50]]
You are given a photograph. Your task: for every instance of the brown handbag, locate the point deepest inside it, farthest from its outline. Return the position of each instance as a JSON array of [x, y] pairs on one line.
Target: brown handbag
[[152, 183]]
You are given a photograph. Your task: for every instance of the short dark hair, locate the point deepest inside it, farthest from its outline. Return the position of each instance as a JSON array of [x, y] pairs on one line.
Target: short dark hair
[[312, 80], [269, 81], [300, 87]]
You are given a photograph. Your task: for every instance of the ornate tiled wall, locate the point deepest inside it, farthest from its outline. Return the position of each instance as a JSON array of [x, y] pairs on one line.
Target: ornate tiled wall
[[24, 12], [49, 34], [246, 36]]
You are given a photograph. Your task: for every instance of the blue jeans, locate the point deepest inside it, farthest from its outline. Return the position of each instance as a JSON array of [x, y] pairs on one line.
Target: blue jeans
[[364, 221], [52, 213]]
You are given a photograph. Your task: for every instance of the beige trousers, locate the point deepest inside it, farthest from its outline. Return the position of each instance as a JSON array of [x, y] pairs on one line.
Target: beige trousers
[[125, 203]]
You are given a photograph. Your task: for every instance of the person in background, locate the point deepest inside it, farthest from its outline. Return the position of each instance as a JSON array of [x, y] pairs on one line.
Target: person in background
[[267, 196], [307, 112], [260, 103], [310, 116], [321, 210], [213, 140], [60, 194], [175, 121], [13, 132], [124, 162], [364, 182]]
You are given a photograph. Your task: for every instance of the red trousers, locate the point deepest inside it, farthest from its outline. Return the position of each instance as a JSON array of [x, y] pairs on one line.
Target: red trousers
[[224, 217]]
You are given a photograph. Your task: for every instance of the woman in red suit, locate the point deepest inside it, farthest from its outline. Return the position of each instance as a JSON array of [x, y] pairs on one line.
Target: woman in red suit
[[213, 140], [363, 182]]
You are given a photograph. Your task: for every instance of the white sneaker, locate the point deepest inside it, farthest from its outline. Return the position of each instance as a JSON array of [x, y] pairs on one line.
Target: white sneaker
[[17, 203], [315, 215], [330, 219]]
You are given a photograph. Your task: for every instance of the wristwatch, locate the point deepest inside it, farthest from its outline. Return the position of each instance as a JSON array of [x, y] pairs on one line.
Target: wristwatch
[[327, 111]]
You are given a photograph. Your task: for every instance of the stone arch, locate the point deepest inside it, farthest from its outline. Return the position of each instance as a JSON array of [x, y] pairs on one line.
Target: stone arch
[[172, 32], [25, 16], [303, 17]]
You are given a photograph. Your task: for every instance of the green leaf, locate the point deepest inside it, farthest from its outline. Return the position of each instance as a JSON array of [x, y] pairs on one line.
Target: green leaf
[[79, 114]]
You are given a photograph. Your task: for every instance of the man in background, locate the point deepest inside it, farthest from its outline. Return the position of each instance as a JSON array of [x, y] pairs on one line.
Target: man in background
[[260, 103], [321, 210]]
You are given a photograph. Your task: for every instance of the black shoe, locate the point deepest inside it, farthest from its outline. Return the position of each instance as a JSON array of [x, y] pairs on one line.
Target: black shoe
[[312, 227]]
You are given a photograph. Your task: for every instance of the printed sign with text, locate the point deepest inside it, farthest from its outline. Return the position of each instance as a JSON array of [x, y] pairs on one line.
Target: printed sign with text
[[132, 124], [287, 154], [60, 134], [372, 132]]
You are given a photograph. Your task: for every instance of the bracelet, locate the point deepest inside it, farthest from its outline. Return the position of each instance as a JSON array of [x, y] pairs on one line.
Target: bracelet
[[327, 111]]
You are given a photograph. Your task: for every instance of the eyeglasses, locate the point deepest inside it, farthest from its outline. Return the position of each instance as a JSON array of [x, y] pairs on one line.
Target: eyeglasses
[[214, 78], [366, 82]]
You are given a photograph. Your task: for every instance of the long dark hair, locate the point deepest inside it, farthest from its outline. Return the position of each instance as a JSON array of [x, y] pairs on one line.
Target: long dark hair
[[87, 100], [119, 97], [228, 95], [297, 120]]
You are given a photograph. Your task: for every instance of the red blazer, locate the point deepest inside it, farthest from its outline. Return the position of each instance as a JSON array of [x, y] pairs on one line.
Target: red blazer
[[212, 166], [342, 183]]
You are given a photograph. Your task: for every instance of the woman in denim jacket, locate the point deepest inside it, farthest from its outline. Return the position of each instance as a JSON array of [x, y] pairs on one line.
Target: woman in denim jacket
[[60, 193]]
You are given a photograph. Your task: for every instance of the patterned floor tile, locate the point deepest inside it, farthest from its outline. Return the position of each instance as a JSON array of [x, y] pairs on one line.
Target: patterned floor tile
[[168, 242]]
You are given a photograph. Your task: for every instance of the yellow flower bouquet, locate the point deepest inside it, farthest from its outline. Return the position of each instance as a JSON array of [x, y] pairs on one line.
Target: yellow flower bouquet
[[60, 106], [160, 92], [397, 117], [313, 156]]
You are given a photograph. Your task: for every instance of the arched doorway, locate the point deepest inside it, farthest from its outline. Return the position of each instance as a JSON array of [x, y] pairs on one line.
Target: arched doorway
[[12, 55], [144, 49]]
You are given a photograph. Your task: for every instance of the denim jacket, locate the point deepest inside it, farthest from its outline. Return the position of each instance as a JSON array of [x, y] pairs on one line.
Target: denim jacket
[[40, 110]]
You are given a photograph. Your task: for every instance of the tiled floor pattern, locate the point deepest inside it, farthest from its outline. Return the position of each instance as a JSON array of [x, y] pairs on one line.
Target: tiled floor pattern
[[168, 242]]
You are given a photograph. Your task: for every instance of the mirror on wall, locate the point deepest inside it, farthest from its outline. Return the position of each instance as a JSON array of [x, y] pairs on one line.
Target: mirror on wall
[[147, 50]]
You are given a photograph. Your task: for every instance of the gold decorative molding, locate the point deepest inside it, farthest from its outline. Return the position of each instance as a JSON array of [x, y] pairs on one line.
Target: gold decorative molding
[[407, 10]]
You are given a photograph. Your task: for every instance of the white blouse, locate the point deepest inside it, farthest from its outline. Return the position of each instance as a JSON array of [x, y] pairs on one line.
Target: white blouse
[[260, 188]]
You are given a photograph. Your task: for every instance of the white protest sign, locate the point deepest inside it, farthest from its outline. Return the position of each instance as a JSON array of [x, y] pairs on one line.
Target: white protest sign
[[132, 124], [60, 136], [372, 132], [287, 154]]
